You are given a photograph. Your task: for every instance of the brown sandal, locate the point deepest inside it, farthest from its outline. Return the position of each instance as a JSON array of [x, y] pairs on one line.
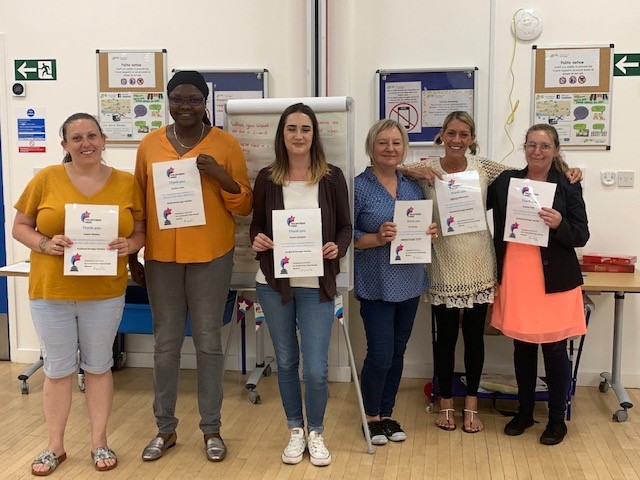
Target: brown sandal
[[102, 454], [49, 459]]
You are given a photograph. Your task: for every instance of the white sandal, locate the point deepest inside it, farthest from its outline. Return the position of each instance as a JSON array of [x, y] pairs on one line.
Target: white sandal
[[446, 413], [473, 413]]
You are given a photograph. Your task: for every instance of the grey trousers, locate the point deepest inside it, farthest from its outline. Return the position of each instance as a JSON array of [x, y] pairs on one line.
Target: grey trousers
[[200, 289]]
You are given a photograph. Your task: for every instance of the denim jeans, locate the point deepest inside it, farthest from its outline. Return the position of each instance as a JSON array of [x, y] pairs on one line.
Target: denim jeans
[[66, 326], [314, 320], [387, 326]]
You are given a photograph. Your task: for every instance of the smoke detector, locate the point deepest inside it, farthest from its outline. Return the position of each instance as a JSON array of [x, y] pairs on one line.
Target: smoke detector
[[526, 24]]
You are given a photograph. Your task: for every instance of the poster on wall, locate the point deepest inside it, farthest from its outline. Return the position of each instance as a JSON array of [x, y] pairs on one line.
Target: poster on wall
[[572, 92], [32, 135], [131, 97]]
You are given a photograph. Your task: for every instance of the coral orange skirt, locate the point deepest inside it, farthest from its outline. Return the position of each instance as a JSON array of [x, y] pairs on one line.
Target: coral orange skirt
[[522, 310]]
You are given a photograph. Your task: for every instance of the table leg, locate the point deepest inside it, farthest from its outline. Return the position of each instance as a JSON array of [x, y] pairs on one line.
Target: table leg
[[613, 378]]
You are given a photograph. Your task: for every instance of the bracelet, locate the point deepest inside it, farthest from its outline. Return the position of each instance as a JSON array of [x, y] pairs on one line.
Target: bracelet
[[42, 244]]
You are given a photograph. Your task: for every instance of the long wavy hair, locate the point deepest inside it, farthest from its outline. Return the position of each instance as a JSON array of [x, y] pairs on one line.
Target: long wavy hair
[[279, 169]]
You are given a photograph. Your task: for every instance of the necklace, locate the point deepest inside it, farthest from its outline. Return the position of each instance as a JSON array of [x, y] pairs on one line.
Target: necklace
[[175, 134], [454, 169]]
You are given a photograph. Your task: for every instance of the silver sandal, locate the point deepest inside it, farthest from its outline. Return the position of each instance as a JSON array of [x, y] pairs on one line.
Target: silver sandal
[[102, 454]]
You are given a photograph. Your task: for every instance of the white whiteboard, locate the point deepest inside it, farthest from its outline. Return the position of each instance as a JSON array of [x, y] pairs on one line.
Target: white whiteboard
[[254, 122]]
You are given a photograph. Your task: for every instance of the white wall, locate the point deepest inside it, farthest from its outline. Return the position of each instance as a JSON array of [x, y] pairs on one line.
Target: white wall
[[363, 36], [200, 34], [418, 34]]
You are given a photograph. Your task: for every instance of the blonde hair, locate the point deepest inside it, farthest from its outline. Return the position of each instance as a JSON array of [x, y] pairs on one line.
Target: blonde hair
[[557, 162], [381, 126], [279, 169], [464, 117]]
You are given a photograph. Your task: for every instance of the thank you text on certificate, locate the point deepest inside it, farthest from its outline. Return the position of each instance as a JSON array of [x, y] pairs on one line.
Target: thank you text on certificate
[[412, 244], [178, 191], [297, 238], [525, 199], [91, 228], [460, 204]]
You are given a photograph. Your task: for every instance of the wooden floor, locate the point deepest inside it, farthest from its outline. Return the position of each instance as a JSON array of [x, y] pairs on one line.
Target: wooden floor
[[595, 447]]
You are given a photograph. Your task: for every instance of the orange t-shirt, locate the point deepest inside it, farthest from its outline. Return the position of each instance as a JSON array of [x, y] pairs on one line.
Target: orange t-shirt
[[43, 199]]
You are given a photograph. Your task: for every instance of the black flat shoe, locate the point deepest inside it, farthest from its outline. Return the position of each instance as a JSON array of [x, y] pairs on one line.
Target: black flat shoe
[[519, 424], [554, 433]]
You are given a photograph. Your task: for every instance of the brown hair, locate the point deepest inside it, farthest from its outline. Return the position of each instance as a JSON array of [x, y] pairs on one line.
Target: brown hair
[[279, 169], [464, 117], [68, 121], [557, 162]]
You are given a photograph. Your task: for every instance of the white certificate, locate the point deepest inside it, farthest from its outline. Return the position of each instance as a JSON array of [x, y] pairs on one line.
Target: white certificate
[[91, 228], [412, 244], [297, 239], [460, 203], [178, 194], [524, 200]]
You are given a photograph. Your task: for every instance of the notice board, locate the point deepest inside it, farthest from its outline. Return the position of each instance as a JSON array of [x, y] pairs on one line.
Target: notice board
[[131, 86], [572, 91], [421, 99], [225, 85]]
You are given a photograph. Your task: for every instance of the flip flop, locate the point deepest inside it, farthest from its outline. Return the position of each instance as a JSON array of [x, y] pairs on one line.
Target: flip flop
[[446, 412], [49, 459], [464, 428], [102, 454]]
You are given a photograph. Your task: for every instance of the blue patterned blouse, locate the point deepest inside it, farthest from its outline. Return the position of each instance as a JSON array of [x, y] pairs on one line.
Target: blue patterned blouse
[[374, 277]]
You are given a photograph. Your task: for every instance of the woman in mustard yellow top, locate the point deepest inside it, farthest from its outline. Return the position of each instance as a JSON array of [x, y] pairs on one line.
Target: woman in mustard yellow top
[[188, 269], [72, 313]]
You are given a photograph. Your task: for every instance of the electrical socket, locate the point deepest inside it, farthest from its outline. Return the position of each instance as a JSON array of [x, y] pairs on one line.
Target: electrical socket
[[626, 178], [608, 177]]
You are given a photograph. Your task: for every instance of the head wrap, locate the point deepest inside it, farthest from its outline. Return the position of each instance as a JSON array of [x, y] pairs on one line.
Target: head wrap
[[188, 77]]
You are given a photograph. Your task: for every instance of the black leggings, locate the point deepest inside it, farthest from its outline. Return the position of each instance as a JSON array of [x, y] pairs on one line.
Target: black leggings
[[558, 371], [447, 325]]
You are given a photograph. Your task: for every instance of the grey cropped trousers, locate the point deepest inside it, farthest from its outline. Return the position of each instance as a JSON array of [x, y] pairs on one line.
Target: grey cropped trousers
[[199, 289]]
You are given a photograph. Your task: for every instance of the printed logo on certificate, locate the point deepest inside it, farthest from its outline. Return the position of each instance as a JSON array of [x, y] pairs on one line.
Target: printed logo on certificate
[[524, 200], [412, 244], [178, 191], [297, 238], [460, 204], [91, 228]]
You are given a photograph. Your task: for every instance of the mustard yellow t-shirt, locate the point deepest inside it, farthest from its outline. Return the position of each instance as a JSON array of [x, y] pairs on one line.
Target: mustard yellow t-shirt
[[201, 243], [44, 199]]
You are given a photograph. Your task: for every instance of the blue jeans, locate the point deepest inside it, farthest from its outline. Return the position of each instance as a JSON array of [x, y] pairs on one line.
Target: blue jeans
[[314, 320], [387, 326]]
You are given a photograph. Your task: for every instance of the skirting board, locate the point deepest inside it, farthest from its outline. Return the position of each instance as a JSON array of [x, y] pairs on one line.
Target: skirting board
[[336, 373]]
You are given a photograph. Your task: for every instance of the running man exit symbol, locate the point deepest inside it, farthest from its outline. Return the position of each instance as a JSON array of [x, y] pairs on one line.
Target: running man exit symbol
[[35, 69]]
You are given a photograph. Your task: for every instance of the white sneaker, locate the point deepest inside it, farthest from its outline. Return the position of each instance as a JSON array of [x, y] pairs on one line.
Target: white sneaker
[[319, 454], [294, 450]]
